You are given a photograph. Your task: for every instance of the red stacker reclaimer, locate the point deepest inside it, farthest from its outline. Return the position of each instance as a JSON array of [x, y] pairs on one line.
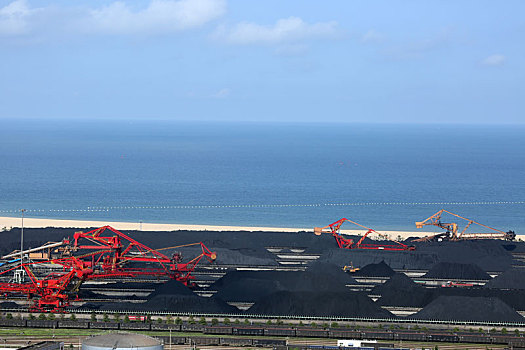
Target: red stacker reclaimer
[[104, 254], [348, 243]]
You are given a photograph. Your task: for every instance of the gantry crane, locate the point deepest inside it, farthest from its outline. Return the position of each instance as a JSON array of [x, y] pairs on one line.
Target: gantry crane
[[452, 229], [52, 283], [347, 243]]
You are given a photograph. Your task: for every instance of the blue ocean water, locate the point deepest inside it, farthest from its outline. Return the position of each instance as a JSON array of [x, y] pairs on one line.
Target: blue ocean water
[[294, 175]]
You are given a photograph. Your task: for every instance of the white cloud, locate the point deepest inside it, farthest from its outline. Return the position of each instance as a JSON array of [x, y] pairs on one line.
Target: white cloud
[[222, 93], [284, 30], [117, 17], [372, 37], [160, 16], [14, 18], [494, 60]]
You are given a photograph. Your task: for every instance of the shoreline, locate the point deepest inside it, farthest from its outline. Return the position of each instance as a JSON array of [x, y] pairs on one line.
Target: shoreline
[[15, 222]]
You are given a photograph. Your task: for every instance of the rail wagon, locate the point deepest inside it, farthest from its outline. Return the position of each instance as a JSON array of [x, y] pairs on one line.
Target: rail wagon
[[517, 342], [269, 342], [248, 331], [174, 340], [192, 327], [280, 332], [135, 326], [342, 334], [448, 338], [204, 341], [12, 323], [104, 325], [41, 324], [236, 341], [377, 335], [475, 338], [73, 324], [165, 327], [415, 336], [311, 332], [218, 330]]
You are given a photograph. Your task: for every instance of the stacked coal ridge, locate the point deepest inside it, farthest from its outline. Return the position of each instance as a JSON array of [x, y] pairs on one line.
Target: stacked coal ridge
[[400, 290], [342, 304], [456, 308], [319, 291], [376, 270], [448, 270], [510, 279], [249, 248], [250, 286], [175, 297]]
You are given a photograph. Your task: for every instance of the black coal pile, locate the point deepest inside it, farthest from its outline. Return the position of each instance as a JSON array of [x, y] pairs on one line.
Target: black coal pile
[[445, 270], [510, 279], [468, 309], [333, 270], [513, 298], [175, 297], [376, 270], [344, 304], [488, 254], [249, 286], [394, 259], [9, 305], [400, 290]]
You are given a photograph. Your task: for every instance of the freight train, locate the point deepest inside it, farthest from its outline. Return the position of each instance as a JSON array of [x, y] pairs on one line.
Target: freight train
[[276, 331]]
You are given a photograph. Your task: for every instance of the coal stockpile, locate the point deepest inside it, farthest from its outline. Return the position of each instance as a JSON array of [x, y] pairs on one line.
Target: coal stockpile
[[250, 286], [489, 255], [400, 290], [395, 259], [468, 309], [175, 297], [513, 298], [510, 279], [249, 248], [376, 270], [333, 270], [445, 270], [344, 304], [9, 305]]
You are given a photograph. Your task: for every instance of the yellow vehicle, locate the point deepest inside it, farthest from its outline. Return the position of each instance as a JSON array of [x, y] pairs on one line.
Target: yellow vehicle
[[350, 268]]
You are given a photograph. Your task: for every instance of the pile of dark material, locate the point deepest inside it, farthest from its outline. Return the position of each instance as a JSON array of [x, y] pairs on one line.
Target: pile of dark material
[[510, 279], [333, 270], [376, 270], [249, 248], [400, 290], [448, 270], [250, 286], [468, 309], [175, 297], [395, 259], [9, 305], [343, 304], [489, 255]]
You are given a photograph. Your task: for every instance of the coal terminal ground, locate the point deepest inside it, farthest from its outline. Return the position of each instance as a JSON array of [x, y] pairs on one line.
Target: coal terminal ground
[[298, 276]]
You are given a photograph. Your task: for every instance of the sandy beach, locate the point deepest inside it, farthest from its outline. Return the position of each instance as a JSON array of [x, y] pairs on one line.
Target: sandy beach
[[9, 222]]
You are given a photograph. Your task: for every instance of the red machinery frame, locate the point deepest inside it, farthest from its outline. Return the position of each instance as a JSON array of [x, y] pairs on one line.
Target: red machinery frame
[[347, 243], [102, 258]]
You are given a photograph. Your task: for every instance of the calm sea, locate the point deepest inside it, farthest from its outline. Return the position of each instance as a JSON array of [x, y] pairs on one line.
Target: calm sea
[[296, 175]]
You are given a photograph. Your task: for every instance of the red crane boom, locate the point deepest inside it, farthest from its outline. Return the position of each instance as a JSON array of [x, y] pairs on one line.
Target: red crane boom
[[102, 257], [347, 243]]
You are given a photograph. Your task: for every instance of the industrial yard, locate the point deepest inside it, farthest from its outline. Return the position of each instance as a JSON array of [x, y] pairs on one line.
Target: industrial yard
[[318, 284]]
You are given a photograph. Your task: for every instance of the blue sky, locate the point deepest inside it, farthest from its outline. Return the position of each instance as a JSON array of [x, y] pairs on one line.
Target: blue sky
[[308, 61]]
